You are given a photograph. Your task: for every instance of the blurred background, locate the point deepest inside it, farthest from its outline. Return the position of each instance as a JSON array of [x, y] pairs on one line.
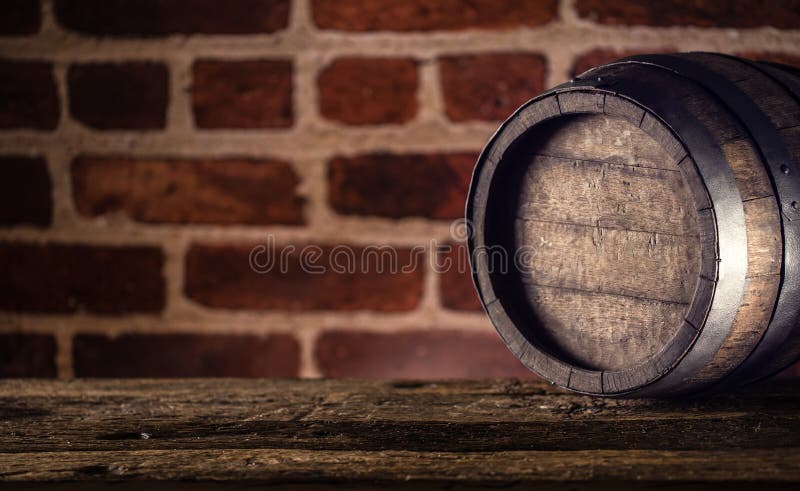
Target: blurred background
[[146, 146]]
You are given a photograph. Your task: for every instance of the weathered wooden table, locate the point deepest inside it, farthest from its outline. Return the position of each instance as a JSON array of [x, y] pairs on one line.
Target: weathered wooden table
[[344, 434]]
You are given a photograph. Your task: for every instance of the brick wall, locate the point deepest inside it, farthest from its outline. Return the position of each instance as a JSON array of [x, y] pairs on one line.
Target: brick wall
[[146, 146]]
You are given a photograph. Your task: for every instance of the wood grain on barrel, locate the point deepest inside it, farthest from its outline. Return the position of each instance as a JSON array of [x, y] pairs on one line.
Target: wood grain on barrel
[[770, 97], [762, 220], [457, 433], [762, 217], [567, 313], [753, 180], [607, 138], [764, 246], [597, 193], [612, 224], [783, 111], [636, 264]]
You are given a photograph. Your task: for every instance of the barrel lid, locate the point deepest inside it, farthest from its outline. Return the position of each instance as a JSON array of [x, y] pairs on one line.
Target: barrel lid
[[609, 239]]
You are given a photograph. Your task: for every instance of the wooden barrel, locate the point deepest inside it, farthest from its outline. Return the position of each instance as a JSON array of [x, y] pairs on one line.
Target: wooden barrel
[[635, 232]]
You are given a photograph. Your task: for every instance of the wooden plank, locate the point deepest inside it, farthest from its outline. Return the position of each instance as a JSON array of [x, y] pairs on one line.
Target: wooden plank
[[751, 174], [622, 380], [586, 380], [764, 237], [719, 121], [694, 183], [783, 111], [791, 137], [622, 108], [709, 248], [663, 137], [638, 264], [731, 69], [436, 470], [581, 102], [462, 432], [603, 331], [361, 415], [603, 138], [701, 304], [608, 195], [767, 94]]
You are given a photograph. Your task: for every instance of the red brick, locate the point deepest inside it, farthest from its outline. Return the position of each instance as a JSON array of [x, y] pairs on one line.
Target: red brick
[[61, 278], [229, 191], [455, 279], [27, 355], [422, 15], [718, 13], [243, 94], [186, 355], [25, 191], [396, 186], [28, 95], [220, 276], [363, 91], [600, 56], [20, 17], [119, 96], [490, 87], [416, 355], [772, 57], [160, 17]]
